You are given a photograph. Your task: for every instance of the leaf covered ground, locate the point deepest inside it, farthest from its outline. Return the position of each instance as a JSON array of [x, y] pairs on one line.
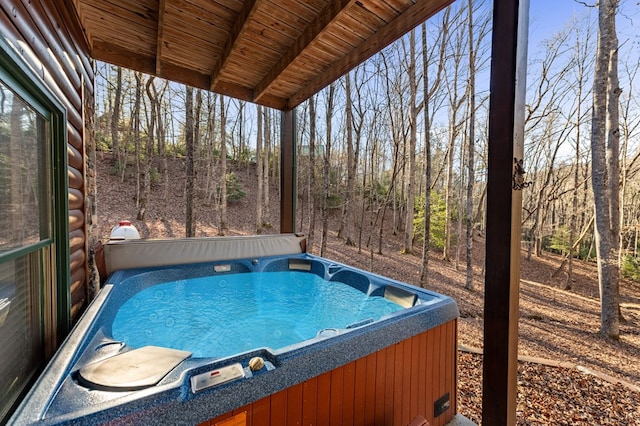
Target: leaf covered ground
[[555, 324]]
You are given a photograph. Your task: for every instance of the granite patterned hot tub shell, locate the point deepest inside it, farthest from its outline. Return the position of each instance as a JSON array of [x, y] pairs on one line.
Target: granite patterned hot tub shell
[[387, 369]]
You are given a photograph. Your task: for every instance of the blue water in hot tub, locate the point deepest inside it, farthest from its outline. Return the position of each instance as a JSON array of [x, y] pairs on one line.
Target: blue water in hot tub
[[223, 315]]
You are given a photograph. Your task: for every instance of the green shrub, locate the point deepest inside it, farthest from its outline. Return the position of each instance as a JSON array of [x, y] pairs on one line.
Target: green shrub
[[438, 210], [156, 177], [234, 188], [558, 241], [631, 267]]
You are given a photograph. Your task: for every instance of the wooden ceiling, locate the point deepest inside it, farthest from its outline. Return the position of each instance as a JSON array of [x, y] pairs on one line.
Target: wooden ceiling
[[272, 52]]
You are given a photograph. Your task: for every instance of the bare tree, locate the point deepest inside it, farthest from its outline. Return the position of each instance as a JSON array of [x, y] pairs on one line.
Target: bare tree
[[136, 134], [604, 159], [456, 102], [266, 170], [581, 59], [259, 219], [428, 93], [145, 191], [190, 182], [210, 160], [471, 90], [352, 164], [222, 224], [413, 129], [327, 171], [630, 128], [545, 123], [312, 172], [424, 269], [115, 118]]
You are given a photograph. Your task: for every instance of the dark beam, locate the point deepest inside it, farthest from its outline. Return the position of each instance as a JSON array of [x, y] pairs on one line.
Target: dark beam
[[239, 27], [288, 192], [314, 30], [160, 37], [409, 19], [115, 54], [504, 211]]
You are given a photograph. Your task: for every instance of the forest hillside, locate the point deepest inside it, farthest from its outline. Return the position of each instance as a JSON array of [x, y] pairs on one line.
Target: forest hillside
[[556, 324]]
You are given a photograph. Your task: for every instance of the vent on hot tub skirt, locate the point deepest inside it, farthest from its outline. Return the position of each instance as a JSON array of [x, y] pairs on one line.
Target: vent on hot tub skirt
[[133, 370]]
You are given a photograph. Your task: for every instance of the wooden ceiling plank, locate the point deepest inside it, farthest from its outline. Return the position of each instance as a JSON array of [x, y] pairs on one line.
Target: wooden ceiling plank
[[141, 14], [324, 19], [381, 9], [212, 12], [160, 40], [239, 27], [198, 26], [188, 49], [126, 38], [362, 22], [409, 19], [174, 35], [367, 17]]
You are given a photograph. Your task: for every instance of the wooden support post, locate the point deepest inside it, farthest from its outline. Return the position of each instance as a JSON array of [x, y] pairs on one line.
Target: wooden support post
[[504, 211], [288, 171]]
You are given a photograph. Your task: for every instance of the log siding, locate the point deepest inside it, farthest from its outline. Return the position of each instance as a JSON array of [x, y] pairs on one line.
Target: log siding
[[47, 37]]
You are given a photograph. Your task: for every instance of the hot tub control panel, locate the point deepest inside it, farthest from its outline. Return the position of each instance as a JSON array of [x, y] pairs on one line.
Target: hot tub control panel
[[216, 377]]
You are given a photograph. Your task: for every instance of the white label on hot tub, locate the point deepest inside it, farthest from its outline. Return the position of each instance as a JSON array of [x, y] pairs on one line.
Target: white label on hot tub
[[216, 377], [222, 268]]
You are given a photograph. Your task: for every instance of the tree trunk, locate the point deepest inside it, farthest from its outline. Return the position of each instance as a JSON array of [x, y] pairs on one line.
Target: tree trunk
[[470, 152], [424, 269], [210, 185], [455, 103], [347, 214], [243, 157], [603, 181], [312, 173], [115, 119], [573, 224], [259, 171], [190, 182], [327, 172], [267, 155], [222, 226], [413, 125], [136, 135], [145, 192]]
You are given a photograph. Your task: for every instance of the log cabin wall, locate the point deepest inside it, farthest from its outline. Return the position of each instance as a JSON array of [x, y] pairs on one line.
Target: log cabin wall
[[47, 36]]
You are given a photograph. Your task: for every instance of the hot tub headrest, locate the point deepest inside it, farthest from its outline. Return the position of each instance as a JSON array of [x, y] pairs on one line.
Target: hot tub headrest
[[129, 254]]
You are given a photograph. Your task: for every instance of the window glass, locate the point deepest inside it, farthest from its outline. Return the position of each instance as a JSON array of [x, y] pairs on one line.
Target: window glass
[[21, 350], [25, 239], [24, 173]]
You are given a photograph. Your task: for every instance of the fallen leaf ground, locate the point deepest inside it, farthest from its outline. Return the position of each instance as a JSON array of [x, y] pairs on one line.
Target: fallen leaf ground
[[555, 324]]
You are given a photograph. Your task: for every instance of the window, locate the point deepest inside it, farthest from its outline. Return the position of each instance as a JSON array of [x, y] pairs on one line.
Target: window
[[33, 232]]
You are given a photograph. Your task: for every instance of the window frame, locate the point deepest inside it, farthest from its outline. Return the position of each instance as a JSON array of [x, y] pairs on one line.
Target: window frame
[[55, 277]]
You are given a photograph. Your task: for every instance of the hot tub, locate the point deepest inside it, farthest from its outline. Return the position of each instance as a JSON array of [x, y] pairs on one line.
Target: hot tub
[[160, 345]]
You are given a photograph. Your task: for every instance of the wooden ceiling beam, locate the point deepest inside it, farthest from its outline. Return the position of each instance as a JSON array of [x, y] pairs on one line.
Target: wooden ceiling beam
[[162, 4], [314, 30], [239, 27], [409, 19], [115, 54]]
